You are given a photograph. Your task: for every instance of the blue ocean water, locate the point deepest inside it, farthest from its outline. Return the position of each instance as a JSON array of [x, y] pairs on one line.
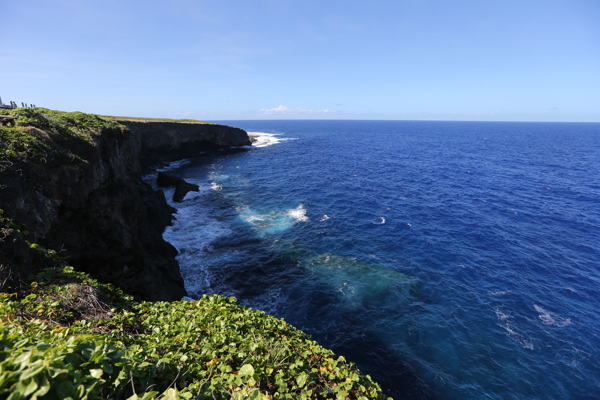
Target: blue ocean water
[[448, 260]]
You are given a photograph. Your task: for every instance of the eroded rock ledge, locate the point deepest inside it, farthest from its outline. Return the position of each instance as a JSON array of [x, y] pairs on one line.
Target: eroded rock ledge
[[96, 210]]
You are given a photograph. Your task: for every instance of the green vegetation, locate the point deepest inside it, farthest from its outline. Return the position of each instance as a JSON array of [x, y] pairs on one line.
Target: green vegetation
[[65, 124], [63, 335], [16, 143], [24, 142], [67, 335]]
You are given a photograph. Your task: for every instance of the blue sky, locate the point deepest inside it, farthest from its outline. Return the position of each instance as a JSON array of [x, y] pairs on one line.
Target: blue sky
[[526, 60]]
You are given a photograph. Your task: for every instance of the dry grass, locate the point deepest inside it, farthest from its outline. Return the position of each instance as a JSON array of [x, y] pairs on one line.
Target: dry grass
[[86, 301]]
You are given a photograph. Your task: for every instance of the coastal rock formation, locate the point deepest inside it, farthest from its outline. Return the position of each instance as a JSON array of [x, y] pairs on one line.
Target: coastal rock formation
[[164, 179], [158, 139], [88, 201], [181, 186]]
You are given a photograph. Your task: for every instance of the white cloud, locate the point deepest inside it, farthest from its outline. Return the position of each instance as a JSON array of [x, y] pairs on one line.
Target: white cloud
[[180, 113], [286, 110]]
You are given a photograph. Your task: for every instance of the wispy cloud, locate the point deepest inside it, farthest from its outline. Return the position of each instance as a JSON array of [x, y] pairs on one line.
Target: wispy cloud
[[286, 110], [181, 113]]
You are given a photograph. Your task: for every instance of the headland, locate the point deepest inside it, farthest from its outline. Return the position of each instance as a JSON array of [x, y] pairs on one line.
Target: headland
[[82, 254]]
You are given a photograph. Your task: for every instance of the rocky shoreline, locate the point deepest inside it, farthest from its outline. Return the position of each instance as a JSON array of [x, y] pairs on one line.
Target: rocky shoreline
[[74, 207], [95, 210]]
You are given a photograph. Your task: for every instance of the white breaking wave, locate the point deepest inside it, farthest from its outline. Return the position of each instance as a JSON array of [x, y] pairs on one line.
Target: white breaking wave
[[263, 139], [193, 235], [275, 221], [380, 222], [299, 213], [324, 218]]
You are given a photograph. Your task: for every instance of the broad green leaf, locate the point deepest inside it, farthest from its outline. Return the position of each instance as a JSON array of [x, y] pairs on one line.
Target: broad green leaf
[[27, 386], [96, 373], [246, 370], [301, 379], [32, 371], [107, 367], [170, 394]]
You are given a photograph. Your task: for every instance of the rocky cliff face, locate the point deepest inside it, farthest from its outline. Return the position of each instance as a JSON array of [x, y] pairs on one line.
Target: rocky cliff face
[[161, 138], [90, 204]]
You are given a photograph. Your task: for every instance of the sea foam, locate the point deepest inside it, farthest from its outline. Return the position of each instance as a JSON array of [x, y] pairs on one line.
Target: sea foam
[[275, 221], [263, 139], [549, 318]]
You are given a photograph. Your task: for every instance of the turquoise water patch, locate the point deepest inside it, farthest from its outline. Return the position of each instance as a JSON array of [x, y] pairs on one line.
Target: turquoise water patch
[[357, 282], [219, 178]]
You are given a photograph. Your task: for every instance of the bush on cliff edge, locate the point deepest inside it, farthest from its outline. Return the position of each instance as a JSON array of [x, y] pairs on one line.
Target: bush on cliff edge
[[30, 139], [68, 336]]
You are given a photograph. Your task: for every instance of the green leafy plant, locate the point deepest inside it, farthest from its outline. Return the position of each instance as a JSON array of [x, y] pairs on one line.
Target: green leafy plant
[[205, 349]]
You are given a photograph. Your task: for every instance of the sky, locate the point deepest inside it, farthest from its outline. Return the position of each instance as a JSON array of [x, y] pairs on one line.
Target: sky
[[511, 60]]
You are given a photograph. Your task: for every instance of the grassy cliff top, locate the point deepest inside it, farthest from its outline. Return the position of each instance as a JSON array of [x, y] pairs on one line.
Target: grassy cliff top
[[21, 140], [38, 131], [143, 119], [60, 122]]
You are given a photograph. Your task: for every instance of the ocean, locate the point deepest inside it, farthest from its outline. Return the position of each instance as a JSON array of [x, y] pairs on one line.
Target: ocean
[[448, 260]]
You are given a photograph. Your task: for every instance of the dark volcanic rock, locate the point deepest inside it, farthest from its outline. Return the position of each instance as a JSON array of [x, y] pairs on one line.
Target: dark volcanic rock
[[166, 180], [98, 213], [95, 210], [174, 138], [181, 186], [182, 189]]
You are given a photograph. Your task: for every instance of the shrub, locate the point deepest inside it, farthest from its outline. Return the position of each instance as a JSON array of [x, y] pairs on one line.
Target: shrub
[[66, 124], [205, 349]]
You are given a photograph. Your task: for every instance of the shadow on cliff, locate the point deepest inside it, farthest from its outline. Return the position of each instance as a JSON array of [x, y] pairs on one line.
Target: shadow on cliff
[[82, 194]]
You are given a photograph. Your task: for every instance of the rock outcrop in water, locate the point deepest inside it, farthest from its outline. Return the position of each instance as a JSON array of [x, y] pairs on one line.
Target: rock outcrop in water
[[83, 196], [181, 186]]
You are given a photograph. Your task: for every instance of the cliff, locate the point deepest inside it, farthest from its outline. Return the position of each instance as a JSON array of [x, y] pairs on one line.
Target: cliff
[[158, 139], [71, 193], [74, 181]]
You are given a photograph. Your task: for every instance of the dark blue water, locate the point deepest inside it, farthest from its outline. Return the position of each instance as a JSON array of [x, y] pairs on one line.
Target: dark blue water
[[449, 260]]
